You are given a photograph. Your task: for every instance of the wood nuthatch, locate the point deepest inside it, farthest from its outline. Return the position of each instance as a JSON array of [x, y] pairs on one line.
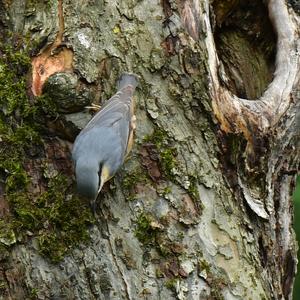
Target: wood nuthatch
[[102, 146]]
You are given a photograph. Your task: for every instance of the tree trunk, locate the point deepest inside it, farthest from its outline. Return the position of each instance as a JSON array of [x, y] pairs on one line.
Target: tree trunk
[[202, 209]]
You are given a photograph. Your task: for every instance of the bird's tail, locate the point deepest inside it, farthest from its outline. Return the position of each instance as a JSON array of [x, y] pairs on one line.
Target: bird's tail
[[128, 79]]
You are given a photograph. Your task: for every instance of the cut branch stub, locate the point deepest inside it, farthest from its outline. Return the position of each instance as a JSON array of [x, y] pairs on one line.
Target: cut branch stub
[[46, 64], [52, 59]]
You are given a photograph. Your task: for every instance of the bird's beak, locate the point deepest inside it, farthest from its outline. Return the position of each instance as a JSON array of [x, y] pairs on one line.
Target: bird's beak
[[103, 178], [93, 202], [101, 185]]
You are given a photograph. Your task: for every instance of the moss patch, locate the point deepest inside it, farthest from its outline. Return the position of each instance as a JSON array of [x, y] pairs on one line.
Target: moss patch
[[57, 221], [151, 231], [130, 182], [171, 284], [168, 161], [162, 152], [193, 189], [145, 232], [51, 214], [217, 282]]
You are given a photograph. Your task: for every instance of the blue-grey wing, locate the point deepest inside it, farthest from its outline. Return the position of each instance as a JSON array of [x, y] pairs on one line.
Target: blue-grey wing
[[115, 114], [97, 145]]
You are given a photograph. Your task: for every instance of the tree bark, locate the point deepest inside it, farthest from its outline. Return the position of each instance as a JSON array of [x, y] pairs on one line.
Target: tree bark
[[202, 209]]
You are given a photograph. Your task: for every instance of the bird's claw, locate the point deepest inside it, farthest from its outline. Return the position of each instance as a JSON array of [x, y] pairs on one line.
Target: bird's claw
[[133, 122], [94, 107]]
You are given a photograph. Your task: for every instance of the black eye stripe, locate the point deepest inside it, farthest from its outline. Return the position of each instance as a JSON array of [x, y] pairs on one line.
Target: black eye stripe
[[99, 172]]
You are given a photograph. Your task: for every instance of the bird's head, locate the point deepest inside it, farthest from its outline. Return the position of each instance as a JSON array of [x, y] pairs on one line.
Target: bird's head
[[87, 179], [90, 178]]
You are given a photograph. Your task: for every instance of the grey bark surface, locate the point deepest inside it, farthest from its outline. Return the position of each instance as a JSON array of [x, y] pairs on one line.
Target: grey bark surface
[[220, 218]]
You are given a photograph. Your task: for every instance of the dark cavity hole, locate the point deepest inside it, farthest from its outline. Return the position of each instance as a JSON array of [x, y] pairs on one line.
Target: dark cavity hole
[[246, 46]]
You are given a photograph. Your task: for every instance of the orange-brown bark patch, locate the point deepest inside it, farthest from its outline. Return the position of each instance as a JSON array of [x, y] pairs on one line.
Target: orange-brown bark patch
[[45, 65]]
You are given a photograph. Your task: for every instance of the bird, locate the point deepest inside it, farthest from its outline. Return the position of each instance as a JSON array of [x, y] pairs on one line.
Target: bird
[[104, 143]]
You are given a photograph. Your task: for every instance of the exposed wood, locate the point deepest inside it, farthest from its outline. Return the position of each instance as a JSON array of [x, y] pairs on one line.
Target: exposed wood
[[52, 59]]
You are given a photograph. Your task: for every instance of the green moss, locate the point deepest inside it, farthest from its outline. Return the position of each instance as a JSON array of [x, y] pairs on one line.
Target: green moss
[[7, 235], [57, 219], [47, 105], [159, 273], [180, 235], [16, 135], [164, 249], [33, 294], [193, 189], [144, 231], [168, 161], [216, 280], [130, 181], [3, 287], [13, 67], [167, 190], [159, 138], [204, 265], [150, 231], [171, 284], [167, 153], [34, 3]]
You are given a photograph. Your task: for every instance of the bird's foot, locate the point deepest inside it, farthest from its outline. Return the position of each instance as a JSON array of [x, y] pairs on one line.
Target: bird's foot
[[94, 107], [133, 122]]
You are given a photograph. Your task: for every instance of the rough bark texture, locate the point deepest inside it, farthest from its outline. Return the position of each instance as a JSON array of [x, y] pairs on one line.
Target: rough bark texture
[[202, 209]]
